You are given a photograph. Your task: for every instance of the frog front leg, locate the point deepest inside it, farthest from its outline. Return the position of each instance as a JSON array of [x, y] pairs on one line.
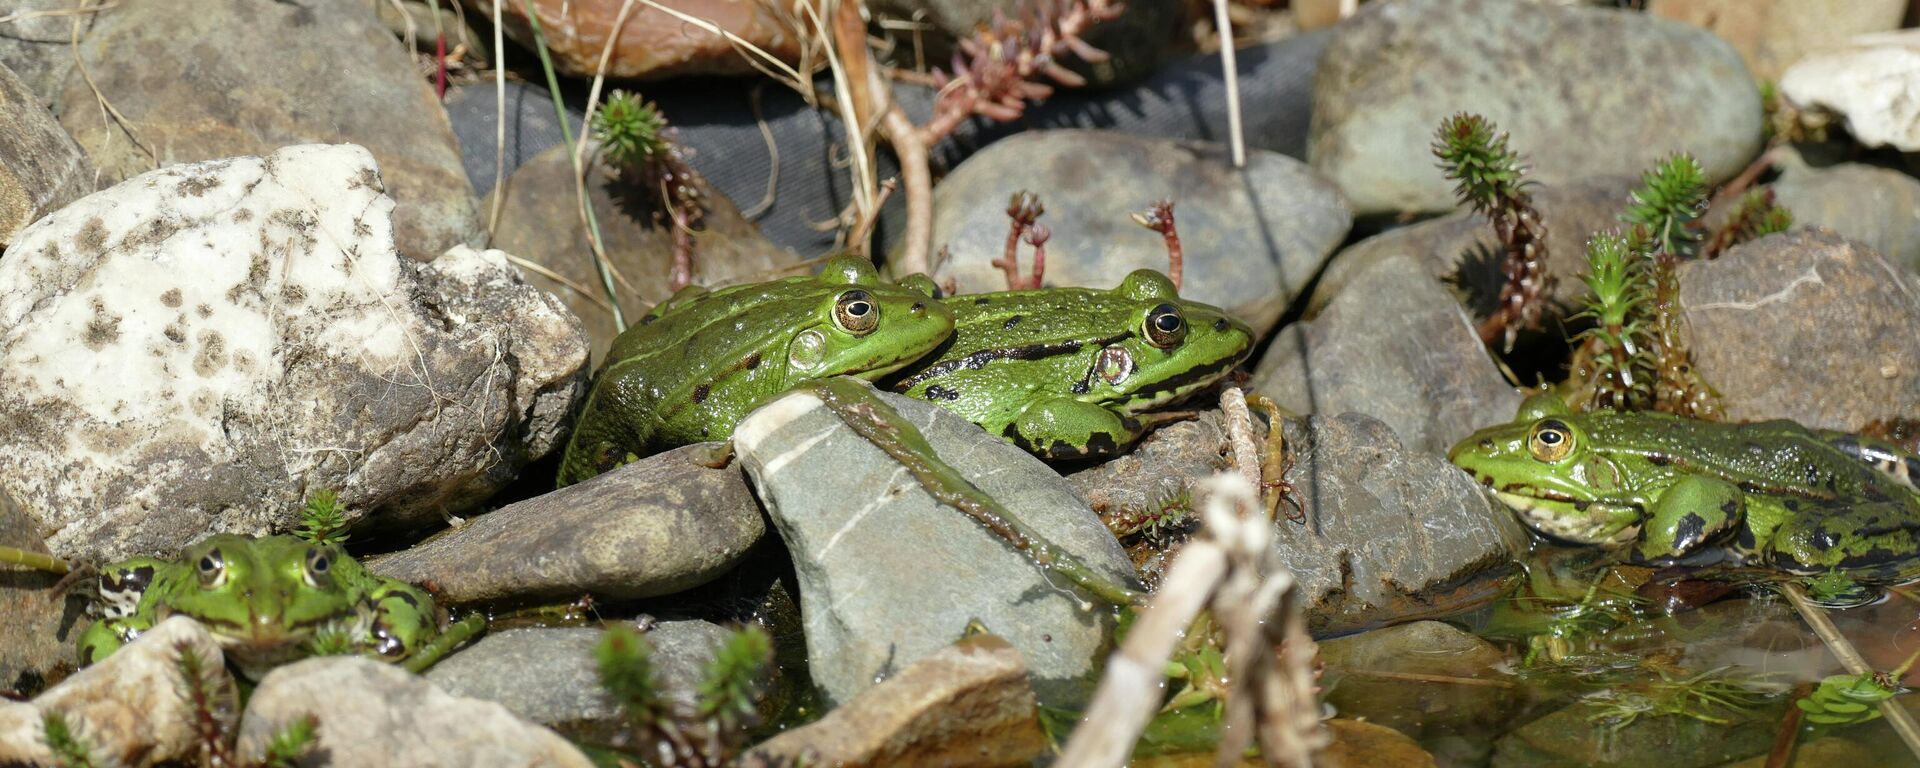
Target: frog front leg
[[1689, 513], [1063, 428]]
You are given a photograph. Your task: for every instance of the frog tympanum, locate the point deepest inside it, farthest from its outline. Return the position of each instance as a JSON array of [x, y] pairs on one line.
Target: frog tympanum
[[263, 600], [1683, 491], [1072, 372], [701, 360]]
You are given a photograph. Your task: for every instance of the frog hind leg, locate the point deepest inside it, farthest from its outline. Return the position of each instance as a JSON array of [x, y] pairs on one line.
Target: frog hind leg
[[1687, 515], [1062, 428], [1877, 541]]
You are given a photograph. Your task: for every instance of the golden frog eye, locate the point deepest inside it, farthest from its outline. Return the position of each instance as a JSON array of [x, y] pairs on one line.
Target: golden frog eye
[[1551, 440], [856, 313], [1165, 326], [211, 566]]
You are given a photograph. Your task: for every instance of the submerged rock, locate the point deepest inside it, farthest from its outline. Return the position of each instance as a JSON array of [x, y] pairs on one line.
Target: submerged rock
[[969, 704], [1390, 533], [199, 348], [1394, 70], [1396, 346], [1581, 735], [653, 527], [127, 709], [1807, 326], [889, 576], [371, 713], [211, 79], [1252, 238], [1360, 679]]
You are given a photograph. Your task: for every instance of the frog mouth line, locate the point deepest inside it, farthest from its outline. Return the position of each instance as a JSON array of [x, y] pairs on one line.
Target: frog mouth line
[[1558, 515]]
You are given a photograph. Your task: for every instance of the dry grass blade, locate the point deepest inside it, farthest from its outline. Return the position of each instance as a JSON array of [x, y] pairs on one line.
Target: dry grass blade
[[499, 124], [1231, 72], [80, 11]]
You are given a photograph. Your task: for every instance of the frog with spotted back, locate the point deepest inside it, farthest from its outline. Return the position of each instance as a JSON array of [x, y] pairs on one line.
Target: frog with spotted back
[[1074, 372], [1684, 491], [700, 361], [264, 600]]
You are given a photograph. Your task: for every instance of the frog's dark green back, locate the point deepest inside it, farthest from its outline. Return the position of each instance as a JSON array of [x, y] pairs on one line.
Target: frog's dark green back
[[1774, 456]]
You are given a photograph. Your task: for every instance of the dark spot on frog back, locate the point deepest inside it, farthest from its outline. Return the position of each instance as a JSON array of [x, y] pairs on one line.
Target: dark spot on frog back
[[700, 393], [1011, 322]]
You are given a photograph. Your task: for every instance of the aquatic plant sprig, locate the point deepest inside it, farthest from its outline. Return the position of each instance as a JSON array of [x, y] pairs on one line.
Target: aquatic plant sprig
[[1493, 182], [1612, 363], [1757, 215], [712, 731], [323, 520], [1669, 201], [640, 144], [68, 748]]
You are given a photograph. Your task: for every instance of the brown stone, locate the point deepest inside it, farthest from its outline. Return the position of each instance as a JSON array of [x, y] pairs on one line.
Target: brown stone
[[1808, 326], [41, 626], [41, 168], [540, 222], [968, 705], [210, 79], [653, 43], [1773, 34]]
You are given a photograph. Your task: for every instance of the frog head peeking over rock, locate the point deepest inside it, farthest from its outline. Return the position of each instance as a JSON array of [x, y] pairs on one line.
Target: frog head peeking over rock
[[1684, 491], [1073, 372], [698, 362], [264, 600]]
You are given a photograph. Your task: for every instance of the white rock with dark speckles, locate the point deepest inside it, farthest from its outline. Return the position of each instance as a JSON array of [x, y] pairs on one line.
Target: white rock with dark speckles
[[199, 347]]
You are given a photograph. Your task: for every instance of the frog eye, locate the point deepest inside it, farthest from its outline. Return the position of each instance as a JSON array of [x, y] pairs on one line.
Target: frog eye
[[1552, 440], [1165, 326], [856, 313], [211, 566], [319, 564]]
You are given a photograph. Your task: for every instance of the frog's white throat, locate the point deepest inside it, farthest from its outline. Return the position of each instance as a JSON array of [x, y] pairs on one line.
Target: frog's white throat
[[1560, 520]]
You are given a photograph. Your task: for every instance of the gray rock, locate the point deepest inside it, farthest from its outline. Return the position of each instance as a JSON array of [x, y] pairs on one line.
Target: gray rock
[[1878, 207], [550, 677], [38, 638], [654, 527], [889, 576], [1171, 457], [127, 709], [1807, 326], [1390, 533], [1395, 346], [1396, 69], [1137, 42], [540, 221], [207, 79], [1251, 241], [1461, 248], [969, 704], [38, 45], [200, 347], [378, 714], [1354, 688], [41, 168]]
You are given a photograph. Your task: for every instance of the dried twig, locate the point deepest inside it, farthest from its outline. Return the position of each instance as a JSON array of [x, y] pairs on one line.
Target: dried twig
[[1231, 567], [499, 124], [1023, 215], [1231, 73], [1817, 619]]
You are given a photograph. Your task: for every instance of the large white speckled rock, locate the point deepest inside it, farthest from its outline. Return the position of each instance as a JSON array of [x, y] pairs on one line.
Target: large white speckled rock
[[198, 348]]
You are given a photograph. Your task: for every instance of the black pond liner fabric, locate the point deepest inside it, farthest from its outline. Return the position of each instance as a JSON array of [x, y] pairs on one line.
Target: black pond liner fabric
[[716, 119]]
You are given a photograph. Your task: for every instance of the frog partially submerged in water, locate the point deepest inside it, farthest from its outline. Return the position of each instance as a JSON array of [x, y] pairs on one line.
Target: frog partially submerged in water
[[1073, 372], [1683, 491], [264, 600], [698, 362]]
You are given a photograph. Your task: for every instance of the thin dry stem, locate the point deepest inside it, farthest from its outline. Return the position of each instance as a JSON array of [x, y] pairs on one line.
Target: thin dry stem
[[499, 124], [1231, 72], [1817, 619]]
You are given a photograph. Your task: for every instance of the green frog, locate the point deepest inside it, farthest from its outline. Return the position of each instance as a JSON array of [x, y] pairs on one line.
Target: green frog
[[264, 600], [1072, 372], [701, 360], [1682, 491]]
